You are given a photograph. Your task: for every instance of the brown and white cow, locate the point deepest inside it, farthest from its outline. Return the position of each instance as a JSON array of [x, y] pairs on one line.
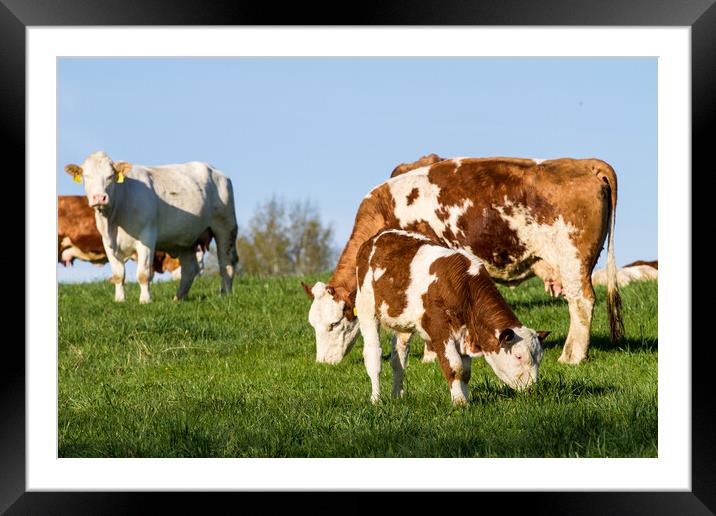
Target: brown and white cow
[[521, 217], [77, 235], [78, 238], [408, 283], [639, 270]]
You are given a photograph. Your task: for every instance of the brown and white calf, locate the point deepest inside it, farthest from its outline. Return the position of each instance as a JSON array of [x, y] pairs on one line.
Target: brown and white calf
[[521, 217], [639, 270], [408, 283]]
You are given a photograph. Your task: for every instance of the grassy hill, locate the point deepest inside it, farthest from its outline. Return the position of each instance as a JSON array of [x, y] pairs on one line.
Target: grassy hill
[[236, 377]]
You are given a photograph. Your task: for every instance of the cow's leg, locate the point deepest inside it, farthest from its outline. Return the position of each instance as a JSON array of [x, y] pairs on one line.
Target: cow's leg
[[145, 271], [399, 361], [428, 354], [226, 253], [371, 354], [580, 296], [189, 270], [117, 267]]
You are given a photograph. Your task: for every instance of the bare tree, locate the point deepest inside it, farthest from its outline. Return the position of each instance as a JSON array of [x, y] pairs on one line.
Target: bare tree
[[284, 239]]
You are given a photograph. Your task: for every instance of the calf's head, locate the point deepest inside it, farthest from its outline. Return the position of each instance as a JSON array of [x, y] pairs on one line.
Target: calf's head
[[333, 320], [518, 358], [99, 175]]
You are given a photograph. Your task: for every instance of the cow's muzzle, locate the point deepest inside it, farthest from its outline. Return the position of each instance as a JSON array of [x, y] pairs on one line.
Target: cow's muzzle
[[99, 200]]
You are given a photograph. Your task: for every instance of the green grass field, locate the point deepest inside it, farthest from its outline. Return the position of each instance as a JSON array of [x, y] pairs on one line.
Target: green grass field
[[236, 377]]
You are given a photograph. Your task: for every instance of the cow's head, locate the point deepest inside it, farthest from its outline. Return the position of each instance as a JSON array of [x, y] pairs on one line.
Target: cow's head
[[517, 361], [334, 321], [99, 174]]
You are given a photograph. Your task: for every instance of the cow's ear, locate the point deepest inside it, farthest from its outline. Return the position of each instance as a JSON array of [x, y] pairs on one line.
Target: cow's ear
[[542, 334], [75, 171], [308, 289], [506, 336], [121, 168]]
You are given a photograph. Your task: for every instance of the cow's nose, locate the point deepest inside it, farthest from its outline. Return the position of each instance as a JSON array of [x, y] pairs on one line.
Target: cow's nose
[[99, 200]]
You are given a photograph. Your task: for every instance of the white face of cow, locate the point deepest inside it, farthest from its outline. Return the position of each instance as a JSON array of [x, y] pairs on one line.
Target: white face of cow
[[335, 334], [99, 174], [518, 360]]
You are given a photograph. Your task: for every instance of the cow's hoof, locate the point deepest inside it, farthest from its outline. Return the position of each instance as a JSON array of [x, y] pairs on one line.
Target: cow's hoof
[[571, 360], [145, 301], [119, 300], [429, 357], [459, 402]]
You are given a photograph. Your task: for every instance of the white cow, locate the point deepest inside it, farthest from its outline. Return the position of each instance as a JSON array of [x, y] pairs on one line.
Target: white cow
[[167, 207]]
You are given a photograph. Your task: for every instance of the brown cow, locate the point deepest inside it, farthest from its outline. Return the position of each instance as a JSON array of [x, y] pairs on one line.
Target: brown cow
[[521, 217], [409, 283], [78, 238]]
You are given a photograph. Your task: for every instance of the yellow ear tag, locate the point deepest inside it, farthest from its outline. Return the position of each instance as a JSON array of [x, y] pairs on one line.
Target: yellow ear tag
[[355, 312], [120, 177], [77, 178]]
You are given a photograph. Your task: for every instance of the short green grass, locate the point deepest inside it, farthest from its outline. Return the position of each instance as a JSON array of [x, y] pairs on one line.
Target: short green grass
[[236, 377]]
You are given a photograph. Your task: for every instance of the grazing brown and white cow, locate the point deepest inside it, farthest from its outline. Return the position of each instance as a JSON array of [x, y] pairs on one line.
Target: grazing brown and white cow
[[77, 235], [639, 270], [78, 238], [521, 217], [139, 209], [409, 283]]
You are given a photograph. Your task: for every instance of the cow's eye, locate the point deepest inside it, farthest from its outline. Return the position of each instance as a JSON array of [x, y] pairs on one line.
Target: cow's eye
[[333, 325]]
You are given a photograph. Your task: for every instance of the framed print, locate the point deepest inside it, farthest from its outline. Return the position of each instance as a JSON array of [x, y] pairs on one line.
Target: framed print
[[325, 95]]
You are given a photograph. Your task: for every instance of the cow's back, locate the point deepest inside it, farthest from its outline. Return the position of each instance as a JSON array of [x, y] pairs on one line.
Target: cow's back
[[179, 201], [489, 204]]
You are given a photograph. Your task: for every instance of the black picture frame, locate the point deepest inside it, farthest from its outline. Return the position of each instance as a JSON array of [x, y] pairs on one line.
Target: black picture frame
[[17, 15]]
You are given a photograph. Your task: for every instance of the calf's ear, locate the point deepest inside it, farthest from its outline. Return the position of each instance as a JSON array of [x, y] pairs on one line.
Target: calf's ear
[[75, 171], [308, 289], [542, 334], [506, 336]]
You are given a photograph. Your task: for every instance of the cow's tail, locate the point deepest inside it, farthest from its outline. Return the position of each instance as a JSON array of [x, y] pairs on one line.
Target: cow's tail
[[614, 300]]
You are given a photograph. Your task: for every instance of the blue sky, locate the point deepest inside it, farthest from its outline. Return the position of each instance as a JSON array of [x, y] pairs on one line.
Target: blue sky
[[330, 129]]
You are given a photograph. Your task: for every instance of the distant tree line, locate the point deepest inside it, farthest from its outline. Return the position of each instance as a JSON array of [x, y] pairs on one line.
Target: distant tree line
[[282, 238]]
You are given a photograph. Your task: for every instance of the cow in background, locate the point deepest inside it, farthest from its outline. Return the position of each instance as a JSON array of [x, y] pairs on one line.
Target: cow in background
[[140, 209], [639, 270]]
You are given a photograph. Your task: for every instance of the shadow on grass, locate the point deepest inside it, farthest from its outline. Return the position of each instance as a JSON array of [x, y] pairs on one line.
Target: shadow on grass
[[537, 303], [603, 343], [491, 391]]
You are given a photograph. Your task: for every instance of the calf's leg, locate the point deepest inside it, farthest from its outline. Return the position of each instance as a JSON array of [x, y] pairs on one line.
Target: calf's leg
[[371, 354], [429, 355], [399, 361], [452, 364]]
